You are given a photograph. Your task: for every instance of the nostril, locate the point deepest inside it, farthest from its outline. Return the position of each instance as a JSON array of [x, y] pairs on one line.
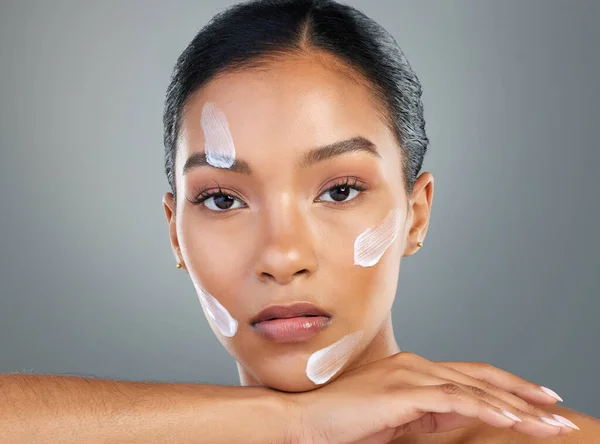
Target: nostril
[[283, 277], [267, 276]]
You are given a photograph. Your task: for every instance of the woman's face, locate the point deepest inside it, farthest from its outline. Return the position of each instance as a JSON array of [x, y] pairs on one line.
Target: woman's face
[[265, 215]]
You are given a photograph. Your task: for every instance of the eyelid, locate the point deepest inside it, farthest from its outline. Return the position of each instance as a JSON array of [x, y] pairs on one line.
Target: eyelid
[[351, 181], [205, 206], [204, 193]]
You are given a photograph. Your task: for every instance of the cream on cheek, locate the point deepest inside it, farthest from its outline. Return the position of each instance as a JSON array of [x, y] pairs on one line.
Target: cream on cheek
[[371, 244], [220, 152], [323, 364], [224, 322], [369, 247], [218, 147]]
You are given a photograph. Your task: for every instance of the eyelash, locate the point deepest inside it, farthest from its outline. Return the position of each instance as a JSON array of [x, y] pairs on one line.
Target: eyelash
[[346, 182], [204, 193]]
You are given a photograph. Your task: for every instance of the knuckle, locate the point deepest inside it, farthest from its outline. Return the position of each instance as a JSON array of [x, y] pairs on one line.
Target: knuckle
[[484, 369], [483, 365], [407, 355], [532, 410], [482, 404], [399, 378], [411, 359], [489, 387], [398, 373], [479, 392], [451, 389]]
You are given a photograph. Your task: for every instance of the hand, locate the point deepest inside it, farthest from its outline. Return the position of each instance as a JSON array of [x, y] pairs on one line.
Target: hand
[[488, 374], [406, 393]]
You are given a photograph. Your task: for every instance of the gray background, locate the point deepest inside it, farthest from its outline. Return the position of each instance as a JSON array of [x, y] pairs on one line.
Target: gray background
[[509, 271]]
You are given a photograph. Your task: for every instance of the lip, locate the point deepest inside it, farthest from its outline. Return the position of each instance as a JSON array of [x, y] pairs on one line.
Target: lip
[[296, 329], [291, 323], [288, 311]]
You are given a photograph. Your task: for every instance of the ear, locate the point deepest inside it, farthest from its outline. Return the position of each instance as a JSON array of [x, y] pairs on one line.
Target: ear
[[169, 207], [419, 212]]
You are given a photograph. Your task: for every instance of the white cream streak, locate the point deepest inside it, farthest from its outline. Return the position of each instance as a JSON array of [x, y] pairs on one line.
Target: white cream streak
[[325, 363], [370, 245], [218, 145], [219, 314]]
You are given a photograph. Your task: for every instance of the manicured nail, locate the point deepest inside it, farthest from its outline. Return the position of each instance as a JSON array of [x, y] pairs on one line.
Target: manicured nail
[[565, 421], [551, 393], [511, 416], [552, 422]]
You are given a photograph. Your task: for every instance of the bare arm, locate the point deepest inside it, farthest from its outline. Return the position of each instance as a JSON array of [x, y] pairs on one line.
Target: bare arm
[[69, 409]]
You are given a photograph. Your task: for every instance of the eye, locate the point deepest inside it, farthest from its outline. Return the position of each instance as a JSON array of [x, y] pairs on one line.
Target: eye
[[342, 192], [339, 193], [222, 202]]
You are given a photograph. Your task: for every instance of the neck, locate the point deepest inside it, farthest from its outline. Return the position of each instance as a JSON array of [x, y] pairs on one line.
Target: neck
[[383, 345]]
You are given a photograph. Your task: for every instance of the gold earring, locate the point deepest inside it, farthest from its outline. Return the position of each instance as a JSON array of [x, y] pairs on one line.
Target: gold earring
[[178, 265], [419, 244]]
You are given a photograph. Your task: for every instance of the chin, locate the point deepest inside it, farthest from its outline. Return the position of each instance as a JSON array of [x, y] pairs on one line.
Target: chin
[[292, 383], [286, 375]]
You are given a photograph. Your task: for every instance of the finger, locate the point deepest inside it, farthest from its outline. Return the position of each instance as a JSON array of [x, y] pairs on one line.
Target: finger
[[494, 395], [508, 382], [415, 402], [440, 422], [531, 416], [444, 422], [506, 401]]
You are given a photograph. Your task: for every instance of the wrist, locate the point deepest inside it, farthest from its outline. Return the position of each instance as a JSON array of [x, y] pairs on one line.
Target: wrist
[[278, 418], [297, 424]]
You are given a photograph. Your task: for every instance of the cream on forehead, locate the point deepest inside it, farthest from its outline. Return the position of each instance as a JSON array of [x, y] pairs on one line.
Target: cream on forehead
[[217, 313], [218, 146], [370, 245], [325, 363]]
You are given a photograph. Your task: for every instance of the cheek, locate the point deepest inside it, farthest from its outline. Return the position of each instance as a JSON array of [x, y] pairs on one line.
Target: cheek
[[370, 291], [359, 241], [325, 363], [216, 312], [214, 261], [371, 244], [214, 247], [362, 272]]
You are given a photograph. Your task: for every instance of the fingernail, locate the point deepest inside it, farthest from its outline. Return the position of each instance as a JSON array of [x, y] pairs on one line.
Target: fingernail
[[565, 421], [511, 416], [552, 422], [551, 393]]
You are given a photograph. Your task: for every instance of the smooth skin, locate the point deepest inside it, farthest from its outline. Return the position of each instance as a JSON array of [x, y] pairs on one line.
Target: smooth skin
[[290, 242], [278, 237], [46, 409]]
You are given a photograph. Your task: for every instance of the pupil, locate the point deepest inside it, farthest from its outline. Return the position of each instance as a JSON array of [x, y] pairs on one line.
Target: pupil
[[223, 202], [340, 193]]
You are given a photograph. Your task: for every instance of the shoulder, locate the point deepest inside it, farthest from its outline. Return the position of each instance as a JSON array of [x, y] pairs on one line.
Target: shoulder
[[589, 432]]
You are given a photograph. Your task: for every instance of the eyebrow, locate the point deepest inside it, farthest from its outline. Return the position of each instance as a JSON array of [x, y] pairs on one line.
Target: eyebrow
[[316, 155], [352, 145], [199, 159]]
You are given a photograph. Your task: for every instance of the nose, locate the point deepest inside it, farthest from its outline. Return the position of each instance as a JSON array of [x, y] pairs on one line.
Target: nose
[[286, 251]]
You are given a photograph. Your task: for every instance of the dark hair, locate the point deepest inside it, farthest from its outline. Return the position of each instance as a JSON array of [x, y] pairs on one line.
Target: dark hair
[[249, 35]]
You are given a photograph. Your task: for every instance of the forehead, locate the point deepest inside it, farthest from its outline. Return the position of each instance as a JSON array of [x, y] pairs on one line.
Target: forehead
[[290, 105]]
